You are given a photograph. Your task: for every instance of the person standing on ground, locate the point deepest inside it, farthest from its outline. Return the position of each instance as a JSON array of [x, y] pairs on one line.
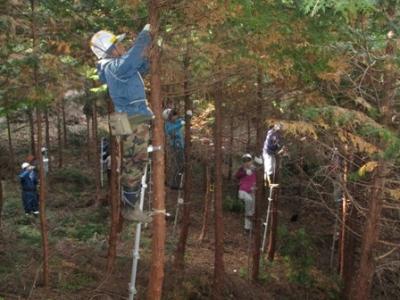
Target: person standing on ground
[[122, 71], [29, 181], [247, 182]]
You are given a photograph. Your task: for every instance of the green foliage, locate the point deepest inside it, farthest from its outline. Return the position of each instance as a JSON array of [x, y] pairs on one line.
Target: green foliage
[[296, 248], [78, 139], [233, 204], [85, 232], [30, 235], [71, 175], [76, 281]]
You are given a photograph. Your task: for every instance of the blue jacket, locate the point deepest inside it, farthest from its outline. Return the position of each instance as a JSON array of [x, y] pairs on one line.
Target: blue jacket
[[28, 180], [123, 74], [272, 143], [174, 133]]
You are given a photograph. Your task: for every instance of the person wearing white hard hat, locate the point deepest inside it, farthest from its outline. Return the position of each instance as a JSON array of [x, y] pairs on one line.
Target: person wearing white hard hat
[[122, 71], [272, 146], [29, 182], [175, 146], [246, 176]]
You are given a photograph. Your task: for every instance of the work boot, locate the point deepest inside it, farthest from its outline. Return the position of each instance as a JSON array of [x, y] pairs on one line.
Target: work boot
[[141, 113]]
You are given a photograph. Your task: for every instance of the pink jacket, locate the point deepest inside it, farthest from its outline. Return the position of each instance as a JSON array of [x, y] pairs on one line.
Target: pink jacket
[[246, 182]]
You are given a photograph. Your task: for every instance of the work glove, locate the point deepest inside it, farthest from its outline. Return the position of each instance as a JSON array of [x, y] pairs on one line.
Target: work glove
[[189, 113], [183, 122], [249, 172], [147, 27], [258, 160]]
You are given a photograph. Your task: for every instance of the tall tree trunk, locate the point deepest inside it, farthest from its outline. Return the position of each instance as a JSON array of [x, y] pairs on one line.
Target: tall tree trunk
[[88, 137], [207, 201], [42, 178], [362, 283], [42, 202], [96, 153], [390, 74], [1, 199], [32, 132], [158, 176], [259, 184], [219, 271], [64, 121], [230, 160], [274, 213], [11, 165], [180, 251], [115, 203], [47, 131], [59, 137], [346, 206], [248, 133]]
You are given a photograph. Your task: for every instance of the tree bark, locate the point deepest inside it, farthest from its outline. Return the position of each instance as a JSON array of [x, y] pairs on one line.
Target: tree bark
[[362, 284], [96, 153], [259, 185], [230, 160], [115, 203], [218, 214], [47, 132], [180, 250], [59, 138], [38, 155], [64, 122], [88, 137], [32, 132], [274, 214], [158, 176], [11, 165], [1, 199], [207, 201], [42, 202]]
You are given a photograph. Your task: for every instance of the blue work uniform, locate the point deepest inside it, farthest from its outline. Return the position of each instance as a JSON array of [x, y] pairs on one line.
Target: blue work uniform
[[30, 198]]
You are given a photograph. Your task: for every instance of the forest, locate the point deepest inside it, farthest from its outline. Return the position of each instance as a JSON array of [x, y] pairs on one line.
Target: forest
[[208, 149]]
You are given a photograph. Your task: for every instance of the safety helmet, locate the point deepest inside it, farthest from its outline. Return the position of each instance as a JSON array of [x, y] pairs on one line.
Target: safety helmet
[[43, 149], [166, 113], [25, 165], [247, 157], [278, 126], [103, 41]]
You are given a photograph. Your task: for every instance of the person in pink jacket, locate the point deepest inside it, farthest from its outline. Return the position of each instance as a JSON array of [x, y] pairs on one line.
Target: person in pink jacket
[[247, 182]]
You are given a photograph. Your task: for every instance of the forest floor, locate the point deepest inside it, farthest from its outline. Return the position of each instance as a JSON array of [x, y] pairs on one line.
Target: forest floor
[[78, 233]]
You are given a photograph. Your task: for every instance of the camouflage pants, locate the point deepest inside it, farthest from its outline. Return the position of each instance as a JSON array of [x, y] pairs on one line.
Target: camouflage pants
[[134, 160]]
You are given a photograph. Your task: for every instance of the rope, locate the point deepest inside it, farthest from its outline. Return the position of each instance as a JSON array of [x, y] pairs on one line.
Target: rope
[[159, 211]]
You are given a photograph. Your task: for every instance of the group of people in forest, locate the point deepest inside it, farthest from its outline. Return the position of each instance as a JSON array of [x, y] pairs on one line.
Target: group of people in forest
[[246, 174], [122, 70]]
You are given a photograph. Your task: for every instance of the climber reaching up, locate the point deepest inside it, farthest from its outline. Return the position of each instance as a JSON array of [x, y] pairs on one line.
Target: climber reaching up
[[272, 147]]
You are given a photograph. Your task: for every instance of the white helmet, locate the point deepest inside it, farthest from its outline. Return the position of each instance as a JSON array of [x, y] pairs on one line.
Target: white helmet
[[102, 42], [247, 156], [25, 165], [166, 113], [278, 126], [43, 149]]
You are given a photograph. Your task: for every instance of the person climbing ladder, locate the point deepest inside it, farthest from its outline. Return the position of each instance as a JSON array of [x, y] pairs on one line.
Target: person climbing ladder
[[122, 71], [175, 141], [272, 147]]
